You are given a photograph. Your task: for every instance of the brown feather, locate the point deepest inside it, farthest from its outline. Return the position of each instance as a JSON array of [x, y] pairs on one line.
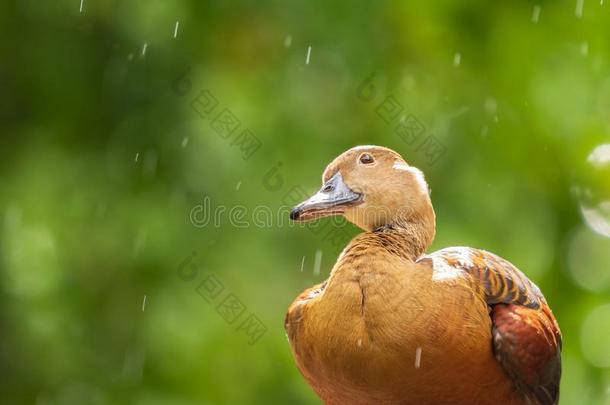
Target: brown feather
[[528, 344], [526, 336], [393, 327]]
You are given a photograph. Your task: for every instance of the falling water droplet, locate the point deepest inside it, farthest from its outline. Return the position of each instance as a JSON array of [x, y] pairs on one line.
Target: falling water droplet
[[288, 41], [144, 303], [457, 59], [302, 263], [584, 48], [579, 6], [144, 49], [491, 105], [81, 6], [417, 357], [176, 29], [536, 14], [185, 142], [308, 55], [317, 262]]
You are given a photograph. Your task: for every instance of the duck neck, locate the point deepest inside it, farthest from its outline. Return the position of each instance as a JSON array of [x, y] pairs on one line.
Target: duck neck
[[409, 236]]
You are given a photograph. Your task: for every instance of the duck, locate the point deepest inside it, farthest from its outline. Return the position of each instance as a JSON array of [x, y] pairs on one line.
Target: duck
[[395, 325]]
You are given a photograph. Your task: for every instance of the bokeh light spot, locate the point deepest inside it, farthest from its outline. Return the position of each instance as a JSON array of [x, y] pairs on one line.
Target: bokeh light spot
[[588, 258], [595, 335], [595, 197]]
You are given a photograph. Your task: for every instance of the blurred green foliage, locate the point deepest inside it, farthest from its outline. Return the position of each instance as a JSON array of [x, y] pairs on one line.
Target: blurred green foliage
[[104, 160]]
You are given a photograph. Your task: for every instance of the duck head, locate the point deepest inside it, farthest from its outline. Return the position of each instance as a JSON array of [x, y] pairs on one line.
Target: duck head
[[372, 187]]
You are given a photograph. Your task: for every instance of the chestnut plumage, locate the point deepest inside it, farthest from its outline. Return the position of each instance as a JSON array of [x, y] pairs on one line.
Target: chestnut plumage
[[394, 325]]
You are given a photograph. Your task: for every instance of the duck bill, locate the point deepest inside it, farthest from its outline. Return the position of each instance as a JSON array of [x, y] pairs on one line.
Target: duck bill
[[332, 199]]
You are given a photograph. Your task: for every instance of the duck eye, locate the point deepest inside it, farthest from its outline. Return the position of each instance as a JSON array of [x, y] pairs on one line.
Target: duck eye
[[366, 159]]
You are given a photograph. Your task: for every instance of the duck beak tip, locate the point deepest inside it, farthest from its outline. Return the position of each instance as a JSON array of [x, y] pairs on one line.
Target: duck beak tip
[[332, 199], [295, 214]]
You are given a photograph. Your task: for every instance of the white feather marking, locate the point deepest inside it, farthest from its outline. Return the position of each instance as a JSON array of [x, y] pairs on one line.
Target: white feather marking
[[464, 254], [442, 271], [419, 176], [466, 260], [401, 166]]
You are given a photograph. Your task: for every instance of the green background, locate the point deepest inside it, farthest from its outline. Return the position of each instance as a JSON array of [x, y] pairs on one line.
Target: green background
[[103, 162]]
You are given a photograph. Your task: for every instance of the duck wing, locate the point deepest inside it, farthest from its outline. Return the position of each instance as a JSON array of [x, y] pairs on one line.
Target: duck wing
[[526, 336], [294, 315]]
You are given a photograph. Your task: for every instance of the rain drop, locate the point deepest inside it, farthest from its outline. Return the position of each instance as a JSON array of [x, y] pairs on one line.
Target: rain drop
[[536, 14], [176, 29], [457, 59], [579, 6], [491, 105], [317, 262], [584, 48]]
